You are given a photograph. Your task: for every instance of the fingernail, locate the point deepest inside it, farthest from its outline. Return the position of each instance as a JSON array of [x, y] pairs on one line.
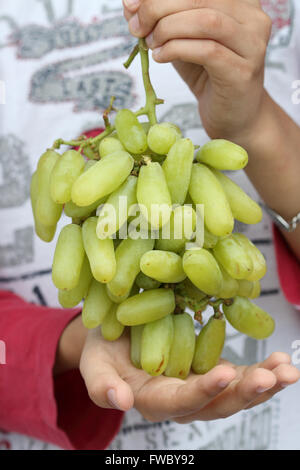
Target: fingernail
[[262, 389], [223, 383], [131, 3], [156, 52], [149, 39], [284, 385], [134, 24], [111, 396]]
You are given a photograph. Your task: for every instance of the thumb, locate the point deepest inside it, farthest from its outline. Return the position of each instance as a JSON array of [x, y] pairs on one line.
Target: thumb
[[105, 386]]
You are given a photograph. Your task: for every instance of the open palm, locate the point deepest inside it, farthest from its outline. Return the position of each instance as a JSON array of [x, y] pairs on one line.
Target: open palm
[[113, 382]]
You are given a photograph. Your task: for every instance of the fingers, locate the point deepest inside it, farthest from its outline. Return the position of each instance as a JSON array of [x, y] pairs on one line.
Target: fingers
[[286, 375], [236, 397], [275, 359], [220, 62], [104, 385]]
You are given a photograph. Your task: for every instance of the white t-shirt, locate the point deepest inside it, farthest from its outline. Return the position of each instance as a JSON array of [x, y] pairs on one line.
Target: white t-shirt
[[60, 61]]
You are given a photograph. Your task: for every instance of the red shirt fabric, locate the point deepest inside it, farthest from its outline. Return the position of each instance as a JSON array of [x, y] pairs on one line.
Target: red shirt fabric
[[32, 402]]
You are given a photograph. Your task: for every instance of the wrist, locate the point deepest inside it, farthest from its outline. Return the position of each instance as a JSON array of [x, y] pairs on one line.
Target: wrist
[[70, 346]]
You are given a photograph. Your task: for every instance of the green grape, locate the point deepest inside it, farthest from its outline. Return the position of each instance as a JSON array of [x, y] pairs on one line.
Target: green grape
[[258, 260], [115, 211], [130, 131], [163, 266], [109, 145], [136, 333], [162, 136], [188, 289], [210, 240], [153, 195], [177, 168], [230, 286], [111, 328], [206, 189], [102, 178], [243, 208], [44, 232], [68, 258], [179, 230], [114, 298], [76, 212], [156, 344], [71, 298], [101, 253], [65, 172], [96, 305], [249, 289], [146, 283], [234, 258], [203, 270], [223, 155], [209, 345], [89, 164], [183, 347], [128, 257], [47, 212], [146, 307], [248, 318]]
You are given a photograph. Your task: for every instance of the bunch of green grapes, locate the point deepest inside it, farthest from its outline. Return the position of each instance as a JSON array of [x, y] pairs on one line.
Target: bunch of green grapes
[[147, 281]]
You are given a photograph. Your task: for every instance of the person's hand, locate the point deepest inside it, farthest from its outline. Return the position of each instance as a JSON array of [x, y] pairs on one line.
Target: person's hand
[[113, 382], [218, 47]]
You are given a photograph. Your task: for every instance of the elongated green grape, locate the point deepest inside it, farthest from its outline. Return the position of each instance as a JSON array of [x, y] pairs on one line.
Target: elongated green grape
[[163, 266], [243, 208], [130, 131], [178, 231], [146, 283], [128, 257], [249, 289], [68, 258], [136, 333], [47, 212], [210, 240], [203, 270], [102, 179], [206, 189], [258, 260], [188, 289], [234, 258], [71, 298], [146, 307], [162, 136], [230, 286], [223, 155], [183, 347], [248, 318], [111, 328], [114, 213], [44, 232], [101, 253], [96, 305], [109, 145], [153, 195], [209, 345], [65, 172], [76, 212], [157, 340], [177, 168]]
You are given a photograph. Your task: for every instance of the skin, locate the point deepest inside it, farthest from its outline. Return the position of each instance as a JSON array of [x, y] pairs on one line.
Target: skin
[[218, 48], [105, 366]]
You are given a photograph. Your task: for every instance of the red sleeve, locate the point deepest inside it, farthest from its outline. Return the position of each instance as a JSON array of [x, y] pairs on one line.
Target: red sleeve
[[288, 268], [31, 401]]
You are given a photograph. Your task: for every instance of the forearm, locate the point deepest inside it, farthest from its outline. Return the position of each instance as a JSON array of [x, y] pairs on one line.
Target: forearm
[[274, 163]]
